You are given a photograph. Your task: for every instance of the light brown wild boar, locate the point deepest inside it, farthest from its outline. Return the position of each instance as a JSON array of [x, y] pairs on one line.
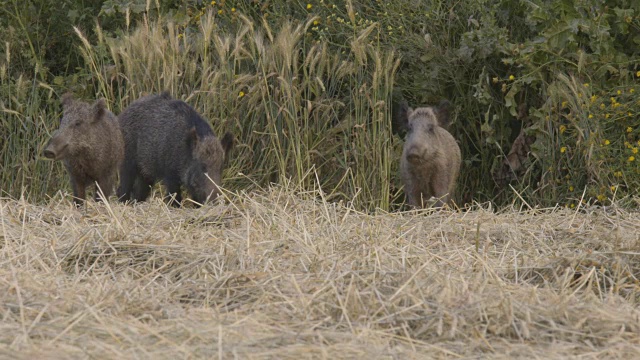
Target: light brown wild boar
[[431, 157], [89, 143]]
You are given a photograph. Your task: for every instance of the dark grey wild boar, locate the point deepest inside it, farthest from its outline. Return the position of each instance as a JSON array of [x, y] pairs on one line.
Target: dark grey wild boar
[[430, 157], [166, 139], [89, 143]]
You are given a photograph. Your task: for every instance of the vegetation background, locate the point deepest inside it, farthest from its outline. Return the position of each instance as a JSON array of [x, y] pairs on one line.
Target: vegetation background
[[309, 87]]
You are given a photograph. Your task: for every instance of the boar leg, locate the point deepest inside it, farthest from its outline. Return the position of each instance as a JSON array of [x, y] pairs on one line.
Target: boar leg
[[173, 188], [106, 185], [128, 174], [141, 189], [441, 190], [414, 197], [78, 186]]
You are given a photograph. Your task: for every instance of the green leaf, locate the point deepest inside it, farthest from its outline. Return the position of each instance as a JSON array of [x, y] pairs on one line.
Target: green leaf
[[72, 15], [558, 35], [427, 57], [509, 99]]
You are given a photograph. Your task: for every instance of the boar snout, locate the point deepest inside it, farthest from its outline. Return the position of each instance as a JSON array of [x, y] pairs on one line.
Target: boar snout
[[55, 149], [211, 189], [415, 152], [49, 154]]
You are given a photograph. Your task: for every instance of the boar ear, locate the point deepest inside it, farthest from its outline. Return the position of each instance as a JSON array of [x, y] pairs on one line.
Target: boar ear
[[192, 136], [98, 109], [409, 112], [66, 99], [227, 142], [403, 113], [442, 112]]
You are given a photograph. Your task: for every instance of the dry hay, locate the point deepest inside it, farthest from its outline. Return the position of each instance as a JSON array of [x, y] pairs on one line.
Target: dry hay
[[285, 275]]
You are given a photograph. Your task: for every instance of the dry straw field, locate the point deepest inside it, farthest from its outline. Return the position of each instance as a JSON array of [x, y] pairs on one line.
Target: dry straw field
[[284, 274]]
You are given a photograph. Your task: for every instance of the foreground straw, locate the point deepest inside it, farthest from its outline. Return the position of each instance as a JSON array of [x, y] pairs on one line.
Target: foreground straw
[[281, 274]]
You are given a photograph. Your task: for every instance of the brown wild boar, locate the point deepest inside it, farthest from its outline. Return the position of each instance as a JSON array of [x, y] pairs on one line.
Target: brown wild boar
[[89, 143], [431, 157], [166, 139]]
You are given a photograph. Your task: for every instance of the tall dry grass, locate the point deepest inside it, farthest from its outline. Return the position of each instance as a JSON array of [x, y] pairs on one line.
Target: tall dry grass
[[295, 106], [283, 273], [27, 119]]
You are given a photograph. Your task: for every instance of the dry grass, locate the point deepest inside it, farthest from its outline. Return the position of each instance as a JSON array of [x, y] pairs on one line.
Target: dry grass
[[283, 274]]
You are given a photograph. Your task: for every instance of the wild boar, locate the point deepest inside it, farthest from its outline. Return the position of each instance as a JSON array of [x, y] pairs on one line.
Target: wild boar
[[431, 157], [167, 140], [89, 143]]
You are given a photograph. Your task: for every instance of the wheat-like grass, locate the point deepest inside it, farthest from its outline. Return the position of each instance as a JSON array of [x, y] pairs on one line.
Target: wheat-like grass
[[293, 106], [283, 273]]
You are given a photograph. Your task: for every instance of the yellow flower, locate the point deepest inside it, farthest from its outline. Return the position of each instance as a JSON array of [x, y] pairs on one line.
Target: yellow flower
[[631, 158], [180, 36], [213, 3], [593, 98], [586, 84], [220, 12], [316, 22], [233, 9], [632, 90], [607, 142], [602, 106], [309, 6], [572, 206], [606, 116], [618, 92], [564, 104], [617, 174], [638, 74], [629, 129], [590, 116], [571, 188], [511, 77], [634, 150], [601, 198], [241, 94], [613, 188], [563, 149], [562, 129]]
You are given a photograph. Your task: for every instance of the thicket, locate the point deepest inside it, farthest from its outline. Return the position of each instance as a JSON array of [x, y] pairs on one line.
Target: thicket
[[545, 93]]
